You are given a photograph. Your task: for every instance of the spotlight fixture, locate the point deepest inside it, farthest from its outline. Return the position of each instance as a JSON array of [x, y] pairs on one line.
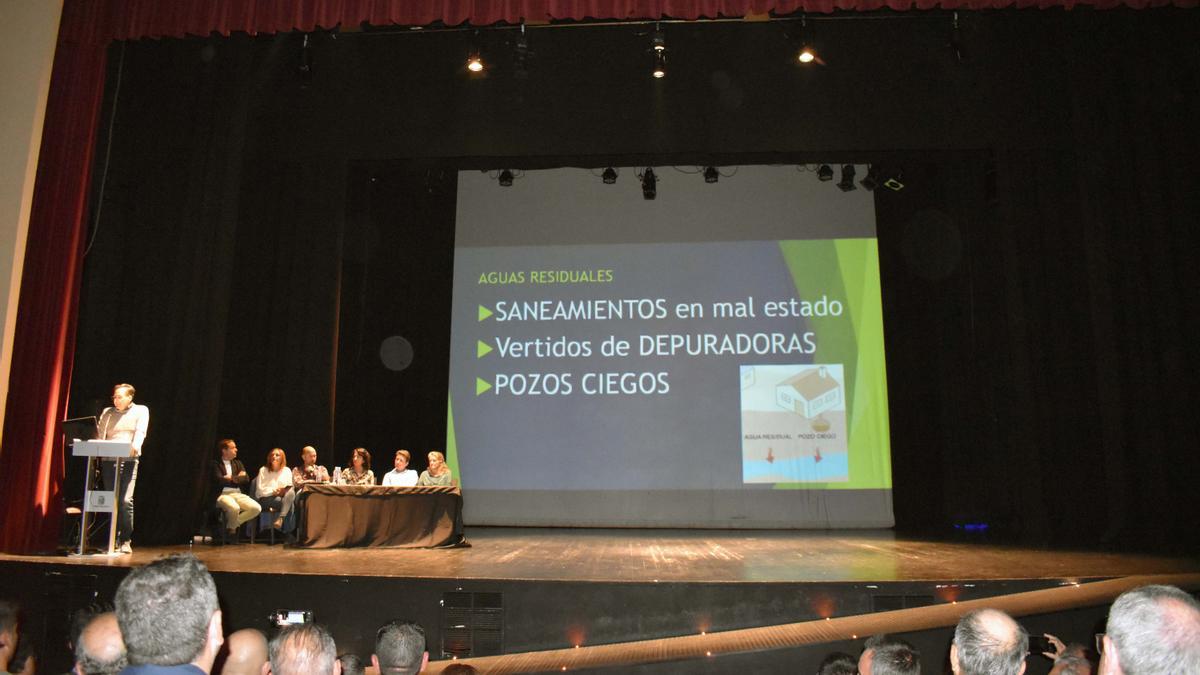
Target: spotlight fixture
[[956, 41], [649, 184], [807, 53], [871, 180], [505, 178], [609, 176], [475, 63], [660, 65], [305, 68], [522, 55], [711, 174], [847, 182], [658, 49], [824, 173]]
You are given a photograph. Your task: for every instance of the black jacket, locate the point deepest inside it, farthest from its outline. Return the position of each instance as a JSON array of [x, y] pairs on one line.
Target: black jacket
[[219, 480]]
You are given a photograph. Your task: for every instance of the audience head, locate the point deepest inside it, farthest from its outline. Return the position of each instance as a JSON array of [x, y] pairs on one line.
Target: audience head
[[459, 669], [437, 463], [8, 631], [276, 459], [246, 652], [24, 659], [227, 448], [402, 460], [1070, 664], [308, 455], [303, 649], [99, 649], [168, 613], [360, 455], [351, 664], [988, 642], [885, 655], [1152, 630], [80, 618], [837, 663], [400, 648]]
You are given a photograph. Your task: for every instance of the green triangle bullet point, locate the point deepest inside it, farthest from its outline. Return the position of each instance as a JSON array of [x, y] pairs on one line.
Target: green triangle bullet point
[[484, 312], [482, 349], [481, 386]]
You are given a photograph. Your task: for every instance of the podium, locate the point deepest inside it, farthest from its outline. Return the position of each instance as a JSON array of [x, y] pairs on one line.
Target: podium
[[101, 501]]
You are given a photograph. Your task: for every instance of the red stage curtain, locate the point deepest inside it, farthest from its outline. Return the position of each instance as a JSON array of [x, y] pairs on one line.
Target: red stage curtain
[[97, 21], [31, 459]]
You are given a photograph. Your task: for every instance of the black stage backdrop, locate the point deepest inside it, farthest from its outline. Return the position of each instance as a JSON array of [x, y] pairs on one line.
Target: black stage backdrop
[[261, 231]]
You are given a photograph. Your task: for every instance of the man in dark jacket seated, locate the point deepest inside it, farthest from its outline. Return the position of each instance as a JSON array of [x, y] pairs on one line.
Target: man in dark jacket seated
[[229, 480]]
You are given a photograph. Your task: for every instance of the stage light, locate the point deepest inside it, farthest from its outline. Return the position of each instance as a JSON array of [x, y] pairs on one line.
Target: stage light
[[658, 49], [871, 180], [824, 173], [659, 41], [475, 63], [649, 184], [807, 53], [505, 178], [609, 176], [710, 174], [305, 68], [847, 182], [521, 55]]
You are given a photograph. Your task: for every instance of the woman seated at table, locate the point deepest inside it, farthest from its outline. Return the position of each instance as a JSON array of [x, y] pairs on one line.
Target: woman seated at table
[[273, 488], [401, 476], [359, 471], [437, 473]]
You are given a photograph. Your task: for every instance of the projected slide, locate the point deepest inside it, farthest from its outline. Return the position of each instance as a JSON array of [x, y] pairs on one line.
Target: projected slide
[[668, 370]]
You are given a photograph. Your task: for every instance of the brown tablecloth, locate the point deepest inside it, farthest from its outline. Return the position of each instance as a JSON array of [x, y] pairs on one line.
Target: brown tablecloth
[[358, 515]]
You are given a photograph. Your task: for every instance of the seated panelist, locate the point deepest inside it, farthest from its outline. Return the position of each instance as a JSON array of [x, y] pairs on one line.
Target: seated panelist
[[273, 487], [229, 481], [438, 472], [359, 471], [309, 471], [401, 476]]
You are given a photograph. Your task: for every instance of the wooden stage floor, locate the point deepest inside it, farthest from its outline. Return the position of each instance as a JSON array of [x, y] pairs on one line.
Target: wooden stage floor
[[692, 556]]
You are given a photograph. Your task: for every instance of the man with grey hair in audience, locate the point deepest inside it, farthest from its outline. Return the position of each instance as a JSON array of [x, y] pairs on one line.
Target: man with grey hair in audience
[[169, 617], [1152, 630], [99, 650], [400, 649], [303, 649], [988, 642], [886, 655]]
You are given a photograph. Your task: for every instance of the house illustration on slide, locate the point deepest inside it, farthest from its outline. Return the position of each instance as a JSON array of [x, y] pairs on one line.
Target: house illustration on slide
[[809, 393]]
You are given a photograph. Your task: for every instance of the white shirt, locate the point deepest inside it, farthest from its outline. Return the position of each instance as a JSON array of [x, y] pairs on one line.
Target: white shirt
[[269, 481], [405, 478]]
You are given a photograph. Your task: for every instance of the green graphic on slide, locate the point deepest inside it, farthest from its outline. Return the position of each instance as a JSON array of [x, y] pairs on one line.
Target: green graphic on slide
[[451, 444], [849, 269]]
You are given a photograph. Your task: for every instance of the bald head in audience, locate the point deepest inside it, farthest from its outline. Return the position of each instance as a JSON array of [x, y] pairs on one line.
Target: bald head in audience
[[988, 642], [247, 652], [303, 649], [100, 649]]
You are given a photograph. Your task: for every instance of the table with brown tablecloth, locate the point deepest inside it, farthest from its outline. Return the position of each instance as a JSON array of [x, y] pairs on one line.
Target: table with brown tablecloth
[[373, 515]]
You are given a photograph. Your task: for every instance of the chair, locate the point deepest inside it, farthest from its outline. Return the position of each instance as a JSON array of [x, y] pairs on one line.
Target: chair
[[265, 519]]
